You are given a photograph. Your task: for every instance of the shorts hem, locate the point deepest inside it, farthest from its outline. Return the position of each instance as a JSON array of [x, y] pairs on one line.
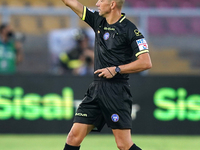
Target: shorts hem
[[96, 129]]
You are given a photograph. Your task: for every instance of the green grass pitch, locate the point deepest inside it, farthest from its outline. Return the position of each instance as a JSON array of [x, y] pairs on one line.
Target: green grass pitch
[[96, 142]]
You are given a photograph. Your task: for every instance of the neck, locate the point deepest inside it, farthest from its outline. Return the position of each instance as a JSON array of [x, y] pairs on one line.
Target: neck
[[113, 17]]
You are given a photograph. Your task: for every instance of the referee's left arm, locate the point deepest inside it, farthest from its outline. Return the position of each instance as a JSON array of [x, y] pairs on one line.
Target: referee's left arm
[[142, 63]]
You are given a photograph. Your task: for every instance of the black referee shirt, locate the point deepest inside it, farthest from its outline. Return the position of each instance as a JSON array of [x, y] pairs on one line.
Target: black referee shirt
[[115, 44]]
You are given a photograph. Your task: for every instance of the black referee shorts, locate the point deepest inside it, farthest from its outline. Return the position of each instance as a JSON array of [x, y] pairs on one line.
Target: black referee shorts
[[107, 102]]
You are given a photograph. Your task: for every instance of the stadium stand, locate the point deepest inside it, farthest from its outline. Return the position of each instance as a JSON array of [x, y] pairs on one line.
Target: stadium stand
[[168, 62], [133, 3], [163, 3], [139, 4], [195, 25], [186, 4], [38, 24], [27, 24], [165, 60], [39, 3], [161, 26], [177, 26], [24, 3], [54, 21], [156, 26], [173, 25], [47, 3], [193, 57], [12, 3]]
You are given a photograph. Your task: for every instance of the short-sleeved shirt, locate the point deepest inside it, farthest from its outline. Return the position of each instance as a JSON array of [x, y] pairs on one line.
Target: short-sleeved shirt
[[7, 57], [115, 44]]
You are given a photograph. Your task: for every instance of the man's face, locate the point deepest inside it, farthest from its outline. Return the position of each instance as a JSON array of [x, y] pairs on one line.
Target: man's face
[[104, 7], [7, 31]]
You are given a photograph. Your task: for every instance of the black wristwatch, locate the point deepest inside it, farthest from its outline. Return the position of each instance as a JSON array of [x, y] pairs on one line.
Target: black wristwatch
[[117, 70]]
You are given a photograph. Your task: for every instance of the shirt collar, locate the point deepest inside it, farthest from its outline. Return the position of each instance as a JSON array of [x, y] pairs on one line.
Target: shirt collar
[[123, 16]]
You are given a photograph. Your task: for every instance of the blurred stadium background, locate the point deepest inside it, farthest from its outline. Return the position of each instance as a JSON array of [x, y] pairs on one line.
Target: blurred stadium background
[[172, 29]]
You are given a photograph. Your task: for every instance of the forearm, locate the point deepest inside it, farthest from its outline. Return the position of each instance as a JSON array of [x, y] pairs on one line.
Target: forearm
[[19, 52], [69, 2], [142, 63], [19, 57], [133, 67], [75, 5]]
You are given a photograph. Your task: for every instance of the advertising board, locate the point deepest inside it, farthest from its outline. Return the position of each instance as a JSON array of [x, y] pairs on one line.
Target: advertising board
[[47, 104]]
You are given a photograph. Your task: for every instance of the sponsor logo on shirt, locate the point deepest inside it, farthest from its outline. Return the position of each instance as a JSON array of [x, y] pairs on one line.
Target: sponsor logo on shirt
[[137, 32], [142, 44], [80, 114], [105, 28]]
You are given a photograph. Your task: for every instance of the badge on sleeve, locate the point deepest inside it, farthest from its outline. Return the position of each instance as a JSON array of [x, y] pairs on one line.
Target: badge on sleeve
[[142, 44]]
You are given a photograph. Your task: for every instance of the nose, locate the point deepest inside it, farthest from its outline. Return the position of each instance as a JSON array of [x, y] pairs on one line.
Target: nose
[[97, 4]]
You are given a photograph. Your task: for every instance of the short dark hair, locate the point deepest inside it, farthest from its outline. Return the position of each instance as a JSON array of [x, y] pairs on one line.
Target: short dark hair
[[3, 26]]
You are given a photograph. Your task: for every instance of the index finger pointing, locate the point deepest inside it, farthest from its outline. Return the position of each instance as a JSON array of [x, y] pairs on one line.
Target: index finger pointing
[[97, 71]]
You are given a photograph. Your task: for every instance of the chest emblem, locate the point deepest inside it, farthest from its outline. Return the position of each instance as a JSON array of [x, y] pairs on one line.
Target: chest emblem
[[106, 36]]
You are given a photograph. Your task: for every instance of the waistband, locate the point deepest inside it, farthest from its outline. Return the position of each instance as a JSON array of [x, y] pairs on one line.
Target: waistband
[[112, 79]]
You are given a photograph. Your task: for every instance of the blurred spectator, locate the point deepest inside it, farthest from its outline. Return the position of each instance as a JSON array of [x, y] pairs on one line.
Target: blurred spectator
[[68, 48], [10, 49], [79, 60], [87, 67]]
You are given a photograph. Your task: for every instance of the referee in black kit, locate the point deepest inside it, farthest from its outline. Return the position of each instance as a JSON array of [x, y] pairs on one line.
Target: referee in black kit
[[120, 49]]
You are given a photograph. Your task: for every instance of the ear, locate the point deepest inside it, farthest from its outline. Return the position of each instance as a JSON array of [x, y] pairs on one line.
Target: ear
[[113, 4]]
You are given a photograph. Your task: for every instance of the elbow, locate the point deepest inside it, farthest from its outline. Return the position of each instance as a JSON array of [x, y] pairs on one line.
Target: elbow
[[147, 66], [66, 2], [145, 61]]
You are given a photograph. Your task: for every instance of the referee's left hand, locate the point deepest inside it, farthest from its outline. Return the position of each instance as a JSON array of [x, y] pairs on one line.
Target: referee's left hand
[[107, 73]]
